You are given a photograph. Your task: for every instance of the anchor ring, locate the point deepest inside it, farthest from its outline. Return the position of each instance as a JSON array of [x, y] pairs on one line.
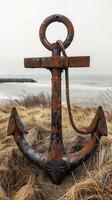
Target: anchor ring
[[56, 18]]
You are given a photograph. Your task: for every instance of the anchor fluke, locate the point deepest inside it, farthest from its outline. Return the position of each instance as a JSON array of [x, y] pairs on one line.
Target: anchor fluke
[[15, 123], [17, 129]]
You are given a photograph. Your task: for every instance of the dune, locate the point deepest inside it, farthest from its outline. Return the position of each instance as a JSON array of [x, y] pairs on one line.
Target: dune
[[22, 180]]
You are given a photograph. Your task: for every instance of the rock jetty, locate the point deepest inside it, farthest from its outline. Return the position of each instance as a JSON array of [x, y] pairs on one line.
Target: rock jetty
[[17, 80]]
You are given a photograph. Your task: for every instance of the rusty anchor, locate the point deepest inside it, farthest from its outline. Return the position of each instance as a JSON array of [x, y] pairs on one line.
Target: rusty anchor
[[58, 163]]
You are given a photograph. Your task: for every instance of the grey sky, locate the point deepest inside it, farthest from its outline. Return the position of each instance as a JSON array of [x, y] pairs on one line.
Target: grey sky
[[20, 21]]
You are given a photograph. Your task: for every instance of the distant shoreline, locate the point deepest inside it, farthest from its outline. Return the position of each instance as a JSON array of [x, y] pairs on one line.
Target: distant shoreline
[[17, 80]]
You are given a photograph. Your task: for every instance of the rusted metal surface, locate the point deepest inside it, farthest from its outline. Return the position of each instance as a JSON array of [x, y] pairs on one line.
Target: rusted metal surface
[[17, 129], [58, 163], [57, 61], [100, 130], [56, 148], [56, 18]]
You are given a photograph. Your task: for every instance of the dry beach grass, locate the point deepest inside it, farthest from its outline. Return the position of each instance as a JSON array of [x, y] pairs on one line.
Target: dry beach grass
[[21, 180]]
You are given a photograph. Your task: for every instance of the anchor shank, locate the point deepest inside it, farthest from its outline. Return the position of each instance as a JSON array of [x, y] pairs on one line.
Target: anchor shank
[[56, 144]]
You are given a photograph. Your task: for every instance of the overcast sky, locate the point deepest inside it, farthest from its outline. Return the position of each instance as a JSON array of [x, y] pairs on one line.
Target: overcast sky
[[19, 25]]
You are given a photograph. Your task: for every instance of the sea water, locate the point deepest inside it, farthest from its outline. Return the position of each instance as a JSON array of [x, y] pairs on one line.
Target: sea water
[[90, 90]]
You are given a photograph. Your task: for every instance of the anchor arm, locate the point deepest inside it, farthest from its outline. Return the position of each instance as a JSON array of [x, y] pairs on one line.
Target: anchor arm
[[76, 159], [16, 128]]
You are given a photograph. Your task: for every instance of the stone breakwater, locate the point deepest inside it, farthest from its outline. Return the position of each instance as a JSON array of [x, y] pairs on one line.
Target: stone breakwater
[[17, 80]]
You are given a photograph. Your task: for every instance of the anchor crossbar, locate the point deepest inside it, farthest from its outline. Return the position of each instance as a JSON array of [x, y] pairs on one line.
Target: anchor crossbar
[[57, 62]]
